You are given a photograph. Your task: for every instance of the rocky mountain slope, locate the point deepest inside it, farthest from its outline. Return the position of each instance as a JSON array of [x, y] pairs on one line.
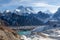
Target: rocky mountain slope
[[8, 34]]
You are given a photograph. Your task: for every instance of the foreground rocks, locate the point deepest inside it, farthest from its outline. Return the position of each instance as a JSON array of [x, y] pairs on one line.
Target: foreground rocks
[[8, 34]]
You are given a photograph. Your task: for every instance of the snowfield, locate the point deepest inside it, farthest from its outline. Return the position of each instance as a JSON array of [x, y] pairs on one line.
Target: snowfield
[[52, 34]]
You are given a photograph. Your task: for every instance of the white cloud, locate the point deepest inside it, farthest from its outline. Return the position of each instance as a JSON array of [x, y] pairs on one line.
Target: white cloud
[[52, 8], [40, 4], [37, 4]]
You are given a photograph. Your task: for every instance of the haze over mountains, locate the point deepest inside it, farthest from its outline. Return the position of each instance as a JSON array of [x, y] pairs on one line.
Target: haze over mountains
[[25, 16]]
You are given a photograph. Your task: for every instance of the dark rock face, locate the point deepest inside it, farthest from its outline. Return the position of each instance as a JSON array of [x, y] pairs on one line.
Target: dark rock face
[[57, 14], [12, 19], [23, 16]]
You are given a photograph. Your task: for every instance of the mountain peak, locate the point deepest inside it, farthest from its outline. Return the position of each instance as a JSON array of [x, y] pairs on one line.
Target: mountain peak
[[20, 7], [24, 9], [48, 12], [7, 11], [59, 8], [17, 10]]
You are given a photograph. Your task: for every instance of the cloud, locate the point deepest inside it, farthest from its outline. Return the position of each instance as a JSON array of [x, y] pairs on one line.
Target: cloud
[[36, 4], [44, 6], [41, 4], [9, 5]]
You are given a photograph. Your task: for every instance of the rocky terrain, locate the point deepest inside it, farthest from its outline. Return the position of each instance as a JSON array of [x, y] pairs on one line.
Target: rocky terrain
[[8, 34], [52, 34]]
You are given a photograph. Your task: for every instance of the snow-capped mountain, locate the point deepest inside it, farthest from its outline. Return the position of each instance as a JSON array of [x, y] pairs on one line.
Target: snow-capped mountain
[[57, 14], [42, 16], [47, 12], [27, 15], [29, 10], [24, 10], [18, 12], [7, 11]]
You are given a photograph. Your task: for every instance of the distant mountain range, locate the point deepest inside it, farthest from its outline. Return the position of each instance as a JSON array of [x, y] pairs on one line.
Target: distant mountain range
[[25, 16]]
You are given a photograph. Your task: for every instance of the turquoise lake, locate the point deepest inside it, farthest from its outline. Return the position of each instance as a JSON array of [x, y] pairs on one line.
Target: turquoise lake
[[24, 32]]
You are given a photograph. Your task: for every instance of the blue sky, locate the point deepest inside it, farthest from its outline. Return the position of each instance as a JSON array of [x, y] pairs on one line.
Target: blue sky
[[37, 5]]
